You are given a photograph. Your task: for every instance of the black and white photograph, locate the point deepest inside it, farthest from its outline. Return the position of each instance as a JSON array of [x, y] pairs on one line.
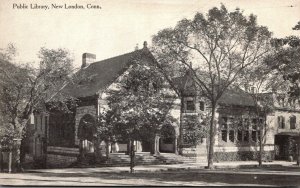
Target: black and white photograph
[[150, 93]]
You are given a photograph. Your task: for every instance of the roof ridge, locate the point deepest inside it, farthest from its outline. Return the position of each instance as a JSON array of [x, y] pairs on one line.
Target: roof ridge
[[135, 51]]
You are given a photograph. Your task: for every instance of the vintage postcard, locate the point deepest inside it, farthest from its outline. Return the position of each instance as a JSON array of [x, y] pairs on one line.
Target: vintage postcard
[[149, 93]]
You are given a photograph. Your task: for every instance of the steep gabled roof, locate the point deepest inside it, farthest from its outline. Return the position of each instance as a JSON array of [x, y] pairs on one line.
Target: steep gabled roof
[[236, 96], [99, 75], [232, 96]]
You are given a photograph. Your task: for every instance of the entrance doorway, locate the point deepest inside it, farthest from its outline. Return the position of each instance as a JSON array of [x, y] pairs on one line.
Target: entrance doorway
[[86, 132], [167, 139], [285, 146]]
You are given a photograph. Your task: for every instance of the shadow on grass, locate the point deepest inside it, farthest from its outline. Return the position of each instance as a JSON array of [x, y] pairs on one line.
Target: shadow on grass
[[184, 176]]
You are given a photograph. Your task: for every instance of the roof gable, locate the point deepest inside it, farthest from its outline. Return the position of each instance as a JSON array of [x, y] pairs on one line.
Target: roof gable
[[231, 96], [99, 75]]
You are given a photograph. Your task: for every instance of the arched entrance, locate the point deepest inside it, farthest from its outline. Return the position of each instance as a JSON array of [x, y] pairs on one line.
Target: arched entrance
[[167, 141], [286, 145], [86, 131]]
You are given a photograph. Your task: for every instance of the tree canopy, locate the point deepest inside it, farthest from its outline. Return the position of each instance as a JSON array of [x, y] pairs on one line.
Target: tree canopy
[[215, 48], [25, 89]]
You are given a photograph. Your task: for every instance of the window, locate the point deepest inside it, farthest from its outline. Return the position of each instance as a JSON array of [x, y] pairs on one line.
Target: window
[[281, 122], [227, 129], [231, 135], [246, 136], [240, 135], [254, 135], [190, 105], [46, 123], [202, 105], [231, 128], [240, 132], [224, 129], [293, 122], [35, 122], [41, 122]]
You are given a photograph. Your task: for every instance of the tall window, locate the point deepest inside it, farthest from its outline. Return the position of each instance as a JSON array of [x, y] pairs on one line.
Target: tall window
[[35, 122], [224, 127], [231, 130], [281, 122], [202, 105], [240, 132], [46, 123], [293, 122], [41, 124]]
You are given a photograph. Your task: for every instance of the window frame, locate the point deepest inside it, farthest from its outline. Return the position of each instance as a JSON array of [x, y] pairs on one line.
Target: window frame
[[293, 126], [224, 129], [187, 104], [281, 122]]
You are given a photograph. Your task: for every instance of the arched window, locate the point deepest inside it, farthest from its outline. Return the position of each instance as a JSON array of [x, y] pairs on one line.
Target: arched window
[[86, 127], [293, 122]]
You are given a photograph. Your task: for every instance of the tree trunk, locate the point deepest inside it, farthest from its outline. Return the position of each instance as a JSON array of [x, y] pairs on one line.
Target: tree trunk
[[22, 152], [298, 153], [132, 154], [107, 149], [180, 140], [1, 160], [10, 161], [212, 138], [16, 156], [128, 148], [261, 146], [260, 150], [98, 150]]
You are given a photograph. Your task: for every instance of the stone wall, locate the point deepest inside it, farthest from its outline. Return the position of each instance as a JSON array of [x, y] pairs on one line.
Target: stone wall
[[60, 161], [61, 157]]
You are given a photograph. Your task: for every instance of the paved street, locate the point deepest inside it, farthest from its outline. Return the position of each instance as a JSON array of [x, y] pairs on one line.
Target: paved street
[[284, 175]]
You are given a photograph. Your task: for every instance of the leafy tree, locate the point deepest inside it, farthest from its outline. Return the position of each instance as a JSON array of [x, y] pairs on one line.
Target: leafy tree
[[284, 61], [297, 26], [8, 53], [260, 81], [194, 130], [105, 130], [139, 105], [25, 89], [221, 44]]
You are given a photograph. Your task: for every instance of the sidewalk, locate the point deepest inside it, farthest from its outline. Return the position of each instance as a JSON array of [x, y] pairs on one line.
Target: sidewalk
[[245, 165], [242, 173]]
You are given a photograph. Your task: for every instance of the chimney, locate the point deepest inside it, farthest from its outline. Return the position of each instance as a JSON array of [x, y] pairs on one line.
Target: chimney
[[145, 44], [87, 58], [252, 89]]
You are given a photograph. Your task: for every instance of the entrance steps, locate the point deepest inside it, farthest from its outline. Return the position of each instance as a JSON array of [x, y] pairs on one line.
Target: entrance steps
[[141, 158], [145, 158]]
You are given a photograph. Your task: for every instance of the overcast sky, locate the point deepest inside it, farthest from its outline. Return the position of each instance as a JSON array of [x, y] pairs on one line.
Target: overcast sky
[[118, 26]]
